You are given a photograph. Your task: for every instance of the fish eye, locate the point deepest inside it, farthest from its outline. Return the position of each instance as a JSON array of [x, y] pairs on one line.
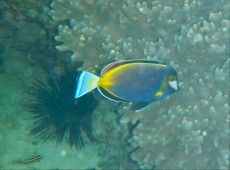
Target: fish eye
[[171, 78]]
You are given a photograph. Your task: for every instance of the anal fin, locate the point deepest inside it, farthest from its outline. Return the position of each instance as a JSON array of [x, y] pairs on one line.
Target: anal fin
[[139, 106], [110, 96]]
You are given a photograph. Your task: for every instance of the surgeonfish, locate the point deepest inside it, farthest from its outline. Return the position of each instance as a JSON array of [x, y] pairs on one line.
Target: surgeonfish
[[140, 81]]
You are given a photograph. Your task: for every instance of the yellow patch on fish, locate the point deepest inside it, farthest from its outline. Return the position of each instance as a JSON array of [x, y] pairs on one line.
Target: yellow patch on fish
[[159, 93], [104, 82]]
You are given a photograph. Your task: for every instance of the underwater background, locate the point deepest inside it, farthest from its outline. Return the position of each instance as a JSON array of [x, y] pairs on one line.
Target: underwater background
[[44, 45]]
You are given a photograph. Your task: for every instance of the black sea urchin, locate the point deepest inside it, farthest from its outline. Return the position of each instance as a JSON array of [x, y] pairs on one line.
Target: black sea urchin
[[56, 114]]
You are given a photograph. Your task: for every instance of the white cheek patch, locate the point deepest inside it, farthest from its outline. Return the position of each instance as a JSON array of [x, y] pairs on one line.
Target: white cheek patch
[[174, 85]]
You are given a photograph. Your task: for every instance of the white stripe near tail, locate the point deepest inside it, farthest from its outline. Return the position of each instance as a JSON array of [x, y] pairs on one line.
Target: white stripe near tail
[[86, 83]]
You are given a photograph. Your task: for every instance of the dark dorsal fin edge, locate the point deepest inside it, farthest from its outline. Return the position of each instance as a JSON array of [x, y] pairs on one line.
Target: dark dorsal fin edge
[[122, 62]]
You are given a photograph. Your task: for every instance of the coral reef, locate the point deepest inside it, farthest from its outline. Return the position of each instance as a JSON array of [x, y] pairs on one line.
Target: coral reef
[[191, 35], [185, 130], [130, 29], [112, 146]]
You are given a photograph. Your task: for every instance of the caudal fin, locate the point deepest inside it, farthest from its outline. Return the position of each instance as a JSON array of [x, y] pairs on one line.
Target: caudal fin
[[86, 82]]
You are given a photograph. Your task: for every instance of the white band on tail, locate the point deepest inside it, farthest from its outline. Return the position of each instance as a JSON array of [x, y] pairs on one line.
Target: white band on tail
[[87, 82]]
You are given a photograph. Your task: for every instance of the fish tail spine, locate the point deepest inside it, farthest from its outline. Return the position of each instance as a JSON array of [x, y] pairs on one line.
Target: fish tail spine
[[86, 83]]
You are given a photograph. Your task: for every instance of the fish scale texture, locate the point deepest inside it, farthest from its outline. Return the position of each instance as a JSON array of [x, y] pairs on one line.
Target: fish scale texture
[[190, 129]]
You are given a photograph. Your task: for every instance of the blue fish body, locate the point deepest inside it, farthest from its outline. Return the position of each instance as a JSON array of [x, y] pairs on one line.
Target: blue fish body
[[138, 81]]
